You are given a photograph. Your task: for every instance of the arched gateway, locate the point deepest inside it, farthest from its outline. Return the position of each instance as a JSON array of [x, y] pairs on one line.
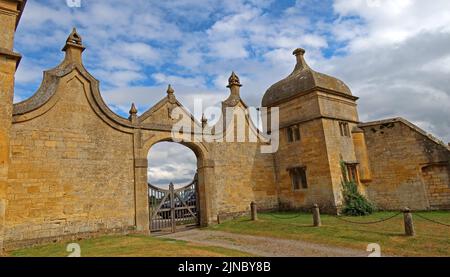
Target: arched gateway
[[66, 125], [70, 167], [175, 207], [174, 198]]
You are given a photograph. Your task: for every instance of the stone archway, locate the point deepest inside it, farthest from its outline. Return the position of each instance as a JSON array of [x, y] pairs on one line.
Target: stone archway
[[173, 190], [204, 177]]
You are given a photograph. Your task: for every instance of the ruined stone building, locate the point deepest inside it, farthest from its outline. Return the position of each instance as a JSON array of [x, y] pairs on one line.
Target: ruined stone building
[[69, 166]]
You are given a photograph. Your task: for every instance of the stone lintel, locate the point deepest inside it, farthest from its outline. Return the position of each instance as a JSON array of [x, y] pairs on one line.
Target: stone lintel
[[295, 166]]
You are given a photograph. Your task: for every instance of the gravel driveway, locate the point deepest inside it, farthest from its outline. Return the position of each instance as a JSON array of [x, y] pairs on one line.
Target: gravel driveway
[[264, 246]]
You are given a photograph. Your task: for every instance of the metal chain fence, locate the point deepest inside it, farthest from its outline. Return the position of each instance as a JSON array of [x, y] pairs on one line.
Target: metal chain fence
[[367, 223], [341, 218], [431, 220], [287, 218]]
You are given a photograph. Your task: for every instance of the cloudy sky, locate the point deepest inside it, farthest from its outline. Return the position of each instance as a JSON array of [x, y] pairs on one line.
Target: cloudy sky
[[394, 54], [171, 162]]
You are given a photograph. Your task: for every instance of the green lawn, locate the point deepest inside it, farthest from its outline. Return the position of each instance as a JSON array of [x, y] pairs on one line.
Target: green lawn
[[129, 246], [431, 239]]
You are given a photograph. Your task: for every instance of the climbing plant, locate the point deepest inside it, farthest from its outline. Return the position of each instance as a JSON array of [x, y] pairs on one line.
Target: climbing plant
[[355, 204]]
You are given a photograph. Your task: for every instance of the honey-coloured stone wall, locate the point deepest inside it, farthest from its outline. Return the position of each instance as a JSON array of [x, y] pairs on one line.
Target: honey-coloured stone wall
[[70, 167], [404, 163], [70, 172]]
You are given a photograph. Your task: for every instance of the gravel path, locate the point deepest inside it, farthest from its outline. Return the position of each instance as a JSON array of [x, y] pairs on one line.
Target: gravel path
[[264, 246]]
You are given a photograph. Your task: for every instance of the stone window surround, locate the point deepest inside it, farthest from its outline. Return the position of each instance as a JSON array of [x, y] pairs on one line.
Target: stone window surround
[[293, 133], [344, 129], [305, 178], [348, 167]]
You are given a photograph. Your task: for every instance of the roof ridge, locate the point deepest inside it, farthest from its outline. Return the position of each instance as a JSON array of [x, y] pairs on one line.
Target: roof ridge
[[410, 125]]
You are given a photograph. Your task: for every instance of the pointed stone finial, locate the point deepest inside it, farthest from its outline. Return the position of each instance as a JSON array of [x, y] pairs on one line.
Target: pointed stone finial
[[171, 95], [235, 86], [233, 80], [204, 121], [133, 113], [170, 90], [301, 63], [74, 47], [133, 109], [74, 37]]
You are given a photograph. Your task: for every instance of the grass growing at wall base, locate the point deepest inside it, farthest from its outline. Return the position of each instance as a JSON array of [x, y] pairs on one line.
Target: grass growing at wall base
[[431, 239], [129, 246]]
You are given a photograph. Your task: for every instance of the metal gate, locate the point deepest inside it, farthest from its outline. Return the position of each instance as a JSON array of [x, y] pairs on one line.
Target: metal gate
[[173, 208]]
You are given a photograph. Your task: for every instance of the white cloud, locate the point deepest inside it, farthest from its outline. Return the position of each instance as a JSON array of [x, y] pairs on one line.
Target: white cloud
[[119, 78], [162, 78], [397, 60], [395, 55], [171, 162], [393, 22], [138, 51], [28, 73]]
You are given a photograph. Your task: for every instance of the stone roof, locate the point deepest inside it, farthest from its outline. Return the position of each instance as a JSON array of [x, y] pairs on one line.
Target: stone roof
[[301, 80], [407, 123]]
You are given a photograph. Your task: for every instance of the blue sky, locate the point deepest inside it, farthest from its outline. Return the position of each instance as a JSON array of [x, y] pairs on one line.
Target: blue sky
[[392, 54]]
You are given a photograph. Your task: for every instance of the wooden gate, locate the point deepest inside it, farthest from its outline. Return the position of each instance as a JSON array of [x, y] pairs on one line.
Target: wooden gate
[[172, 209]]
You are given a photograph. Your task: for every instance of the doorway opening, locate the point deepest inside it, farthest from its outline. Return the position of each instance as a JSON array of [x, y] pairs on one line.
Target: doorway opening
[[172, 187]]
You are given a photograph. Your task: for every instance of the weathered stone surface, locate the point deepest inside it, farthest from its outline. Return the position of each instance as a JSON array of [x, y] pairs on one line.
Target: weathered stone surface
[[409, 168], [302, 80], [10, 12], [70, 167]]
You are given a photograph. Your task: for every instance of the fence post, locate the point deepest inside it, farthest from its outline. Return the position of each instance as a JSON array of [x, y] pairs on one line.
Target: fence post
[[409, 224], [316, 216], [218, 219], [254, 211], [172, 207]]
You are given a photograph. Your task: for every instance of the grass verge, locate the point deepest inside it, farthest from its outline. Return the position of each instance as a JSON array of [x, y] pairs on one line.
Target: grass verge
[[130, 246], [431, 239]]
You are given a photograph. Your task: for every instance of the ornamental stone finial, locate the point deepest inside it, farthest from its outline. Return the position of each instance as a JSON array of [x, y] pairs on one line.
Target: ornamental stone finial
[[171, 95], [133, 109], [170, 90], [204, 121], [301, 63], [74, 37], [133, 114], [74, 47], [234, 85], [299, 51], [233, 80]]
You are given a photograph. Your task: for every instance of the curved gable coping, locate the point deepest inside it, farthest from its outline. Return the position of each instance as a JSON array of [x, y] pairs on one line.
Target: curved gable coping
[[410, 125], [46, 94], [47, 91]]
